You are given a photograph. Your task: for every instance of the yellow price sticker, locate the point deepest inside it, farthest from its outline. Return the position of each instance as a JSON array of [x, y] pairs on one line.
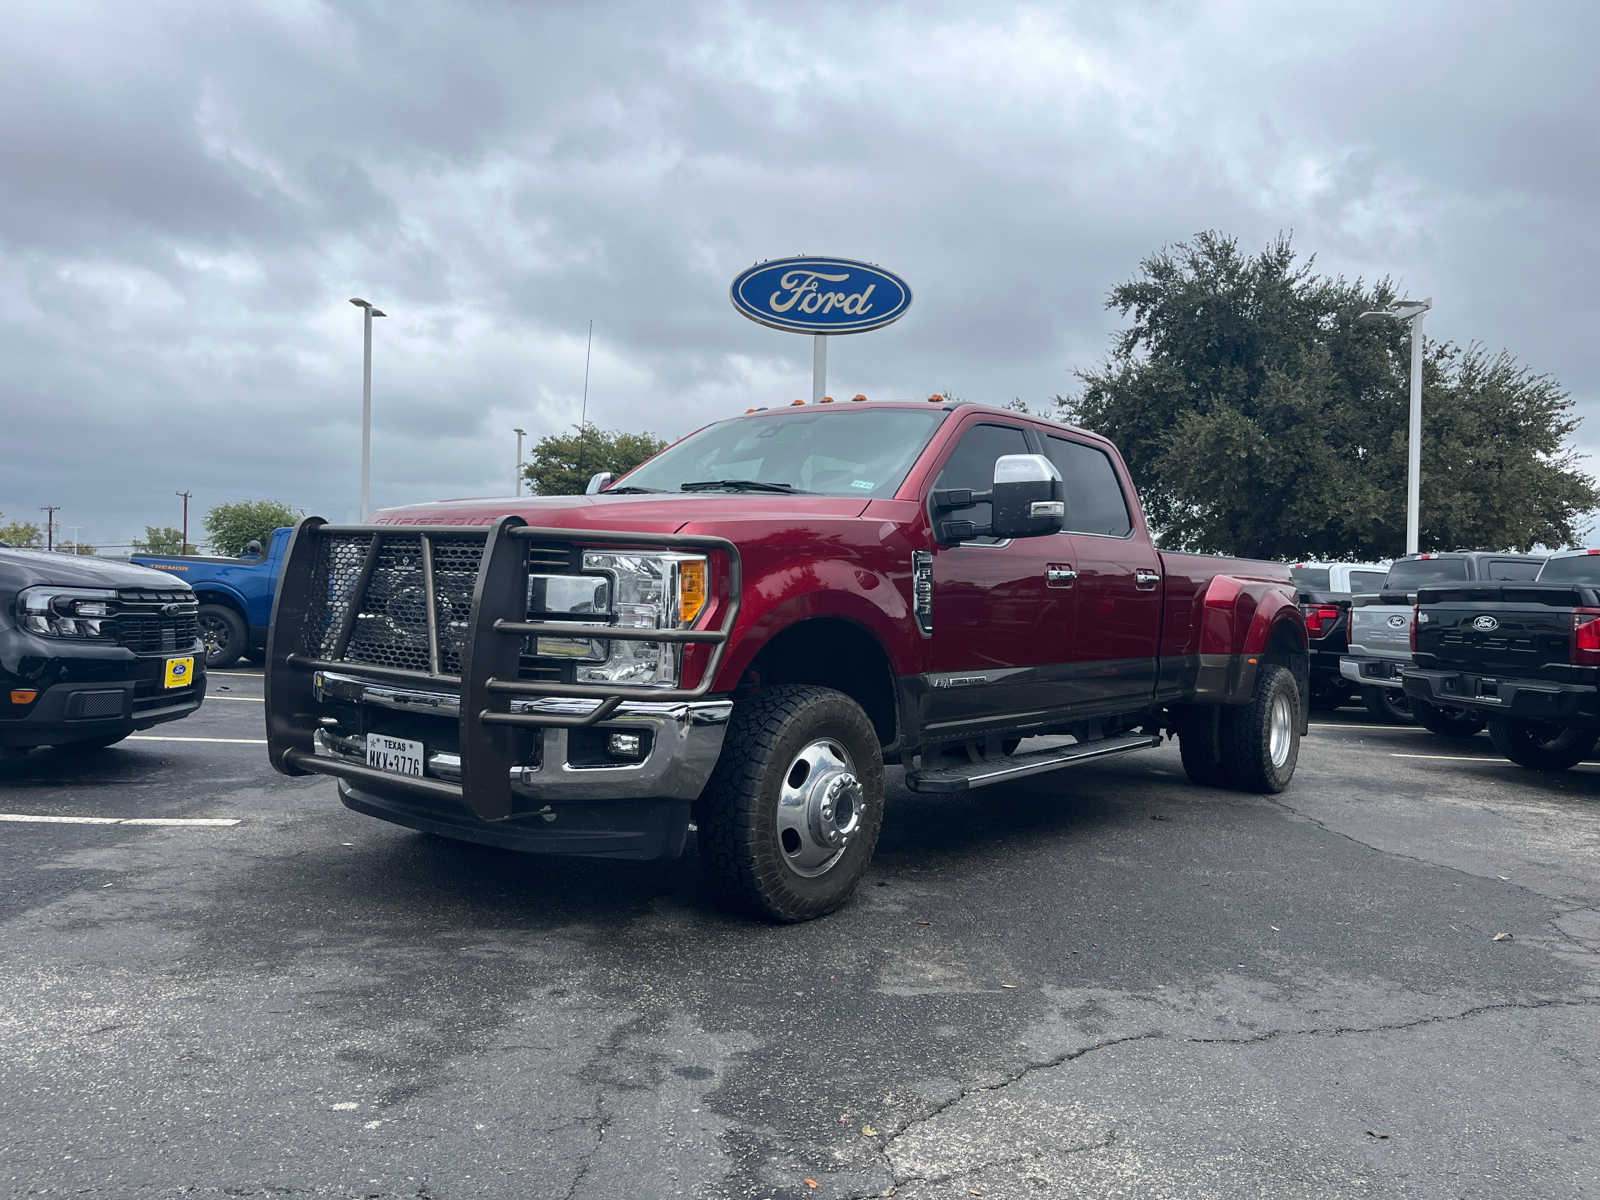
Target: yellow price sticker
[[180, 671]]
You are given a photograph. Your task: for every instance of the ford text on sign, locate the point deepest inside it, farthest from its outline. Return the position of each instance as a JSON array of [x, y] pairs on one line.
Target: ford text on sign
[[820, 295]]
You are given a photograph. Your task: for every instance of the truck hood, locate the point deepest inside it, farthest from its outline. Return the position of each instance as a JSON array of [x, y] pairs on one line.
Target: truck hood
[[665, 512], [24, 568]]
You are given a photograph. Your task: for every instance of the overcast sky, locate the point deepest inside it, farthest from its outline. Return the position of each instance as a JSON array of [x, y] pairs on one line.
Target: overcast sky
[[190, 193]]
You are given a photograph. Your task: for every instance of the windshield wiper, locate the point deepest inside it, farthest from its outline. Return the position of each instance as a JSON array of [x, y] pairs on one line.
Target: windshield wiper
[[627, 490], [741, 485]]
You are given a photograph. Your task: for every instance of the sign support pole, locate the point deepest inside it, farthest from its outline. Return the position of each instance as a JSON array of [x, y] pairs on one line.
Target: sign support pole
[[819, 366]]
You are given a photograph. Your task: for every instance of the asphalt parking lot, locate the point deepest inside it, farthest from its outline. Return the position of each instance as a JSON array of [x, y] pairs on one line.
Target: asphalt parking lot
[[1105, 983]]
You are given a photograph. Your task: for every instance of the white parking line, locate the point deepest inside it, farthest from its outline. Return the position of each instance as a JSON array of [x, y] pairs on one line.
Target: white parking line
[[30, 819], [150, 737], [235, 674], [245, 699]]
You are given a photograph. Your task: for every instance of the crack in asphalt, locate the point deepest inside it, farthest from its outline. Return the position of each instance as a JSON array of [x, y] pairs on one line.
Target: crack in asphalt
[[609, 1049], [1424, 862], [886, 1143], [1572, 938], [587, 1164]]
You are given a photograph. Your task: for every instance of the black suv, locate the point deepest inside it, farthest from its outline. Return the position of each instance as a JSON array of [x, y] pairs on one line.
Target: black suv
[[92, 650]]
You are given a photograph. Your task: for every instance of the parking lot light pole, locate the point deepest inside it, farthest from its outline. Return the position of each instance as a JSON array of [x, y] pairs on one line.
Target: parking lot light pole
[[366, 403], [521, 433], [1411, 311]]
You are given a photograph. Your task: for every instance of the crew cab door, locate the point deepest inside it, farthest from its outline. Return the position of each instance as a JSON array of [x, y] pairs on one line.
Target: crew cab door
[[1118, 586], [1002, 611]]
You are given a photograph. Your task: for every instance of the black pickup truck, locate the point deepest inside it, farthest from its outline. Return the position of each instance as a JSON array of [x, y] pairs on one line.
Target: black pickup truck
[[1524, 655]]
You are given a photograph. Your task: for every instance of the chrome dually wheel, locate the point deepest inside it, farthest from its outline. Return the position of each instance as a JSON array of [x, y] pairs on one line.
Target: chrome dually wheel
[[819, 808], [790, 817], [1280, 729]]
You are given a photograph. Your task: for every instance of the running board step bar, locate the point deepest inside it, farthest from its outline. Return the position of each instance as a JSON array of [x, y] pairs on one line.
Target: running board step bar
[[962, 777]]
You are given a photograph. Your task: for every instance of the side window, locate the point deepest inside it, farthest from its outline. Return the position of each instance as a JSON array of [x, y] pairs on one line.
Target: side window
[[971, 465], [1095, 503], [1507, 568]]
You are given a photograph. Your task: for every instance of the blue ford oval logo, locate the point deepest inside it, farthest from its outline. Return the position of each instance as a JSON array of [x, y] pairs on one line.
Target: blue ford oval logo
[[179, 670], [820, 295], [1486, 624]]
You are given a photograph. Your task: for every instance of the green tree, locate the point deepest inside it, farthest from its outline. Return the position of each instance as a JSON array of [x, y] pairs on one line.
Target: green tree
[[161, 540], [71, 547], [21, 533], [1260, 416], [560, 465], [233, 526]]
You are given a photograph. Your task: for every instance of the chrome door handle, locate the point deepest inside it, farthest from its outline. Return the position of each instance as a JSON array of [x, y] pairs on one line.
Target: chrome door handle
[[1145, 580], [1059, 575]]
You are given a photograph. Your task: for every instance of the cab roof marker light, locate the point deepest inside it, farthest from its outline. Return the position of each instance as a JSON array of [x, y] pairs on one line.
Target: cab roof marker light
[[936, 398], [858, 396], [826, 400], [792, 403]]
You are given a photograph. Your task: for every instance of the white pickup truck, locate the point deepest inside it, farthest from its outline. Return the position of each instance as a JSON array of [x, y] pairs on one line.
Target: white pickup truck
[[1380, 632]]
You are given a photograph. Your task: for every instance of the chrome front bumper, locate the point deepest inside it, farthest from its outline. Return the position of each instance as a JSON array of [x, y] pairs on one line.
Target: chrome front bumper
[[685, 739]]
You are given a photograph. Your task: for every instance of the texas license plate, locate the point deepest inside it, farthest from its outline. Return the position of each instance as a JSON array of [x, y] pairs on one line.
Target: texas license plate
[[179, 672], [398, 755]]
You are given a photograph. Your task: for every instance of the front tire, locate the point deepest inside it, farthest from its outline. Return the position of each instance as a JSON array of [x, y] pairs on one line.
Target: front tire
[[791, 814], [1541, 745], [223, 632], [1389, 705], [1447, 722], [1261, 740]]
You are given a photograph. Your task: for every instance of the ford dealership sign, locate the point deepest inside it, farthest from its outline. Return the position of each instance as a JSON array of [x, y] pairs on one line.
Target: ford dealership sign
[[820, 295]]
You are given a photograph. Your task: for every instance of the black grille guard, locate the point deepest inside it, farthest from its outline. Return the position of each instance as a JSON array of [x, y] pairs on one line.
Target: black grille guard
[[308, 634]]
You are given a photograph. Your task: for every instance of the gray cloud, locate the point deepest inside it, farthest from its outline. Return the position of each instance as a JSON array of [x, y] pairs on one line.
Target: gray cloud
[[193, 191]]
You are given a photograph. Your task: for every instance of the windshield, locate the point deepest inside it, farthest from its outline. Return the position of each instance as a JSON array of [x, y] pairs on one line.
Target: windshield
[[1575, 568], [865, 452], [1412, 573]]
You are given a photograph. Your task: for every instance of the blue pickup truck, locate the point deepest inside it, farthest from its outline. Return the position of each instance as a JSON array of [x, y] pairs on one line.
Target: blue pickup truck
[[235, 595]]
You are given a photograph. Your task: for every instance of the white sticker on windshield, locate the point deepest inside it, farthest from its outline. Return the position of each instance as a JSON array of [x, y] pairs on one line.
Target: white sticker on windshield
[[863, 483]]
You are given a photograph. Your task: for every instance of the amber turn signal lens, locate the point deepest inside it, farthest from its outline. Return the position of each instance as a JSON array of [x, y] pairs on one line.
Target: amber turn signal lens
[[23, 695], [691, 589]]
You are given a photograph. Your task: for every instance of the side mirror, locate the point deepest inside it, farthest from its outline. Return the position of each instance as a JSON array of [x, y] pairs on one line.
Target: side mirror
[[1027, 497], [598, 482]]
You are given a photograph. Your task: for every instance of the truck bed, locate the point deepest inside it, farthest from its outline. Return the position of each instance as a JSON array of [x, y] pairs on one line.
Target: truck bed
[[1188, 580]]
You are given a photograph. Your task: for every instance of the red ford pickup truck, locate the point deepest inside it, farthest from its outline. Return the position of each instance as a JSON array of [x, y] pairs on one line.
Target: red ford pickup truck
[[738, 635]]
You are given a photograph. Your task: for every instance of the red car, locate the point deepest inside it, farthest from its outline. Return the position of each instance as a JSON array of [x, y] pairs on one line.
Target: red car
[[738, 635]]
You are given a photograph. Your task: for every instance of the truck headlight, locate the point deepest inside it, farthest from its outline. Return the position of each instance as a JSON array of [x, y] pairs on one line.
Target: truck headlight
[[648, 591], [65, 612]]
